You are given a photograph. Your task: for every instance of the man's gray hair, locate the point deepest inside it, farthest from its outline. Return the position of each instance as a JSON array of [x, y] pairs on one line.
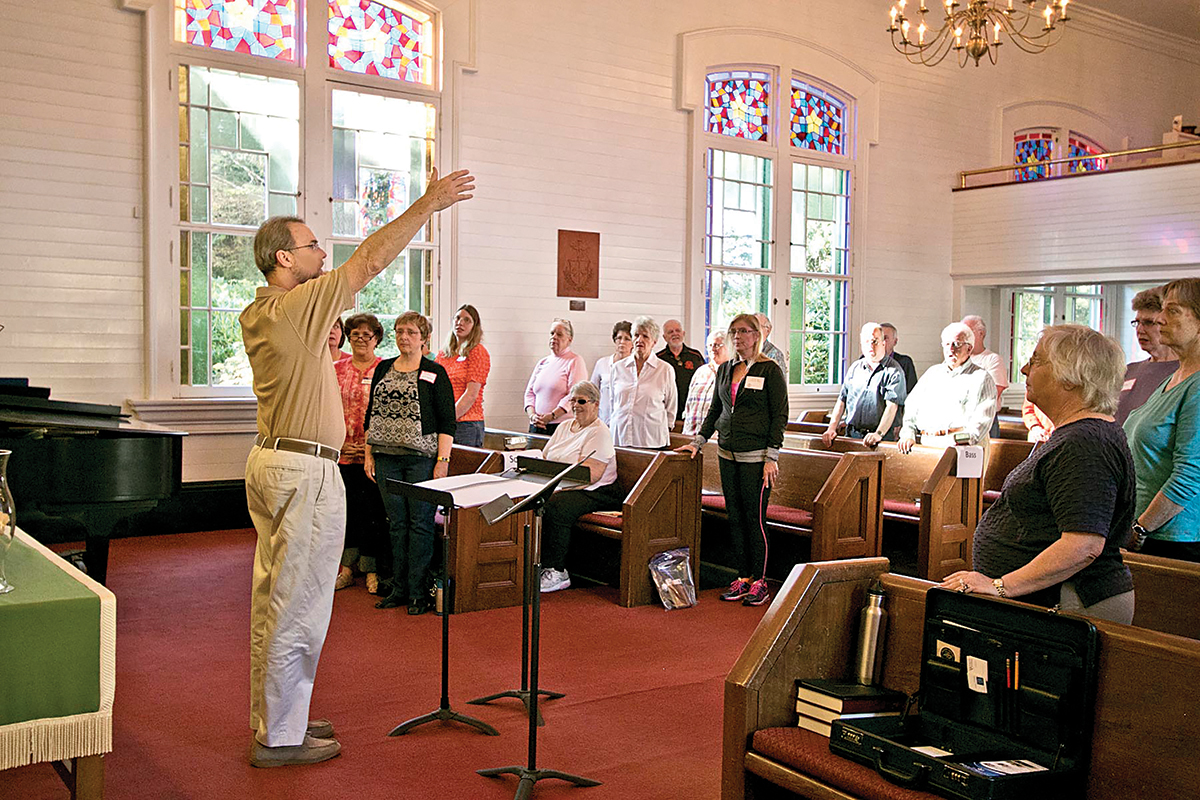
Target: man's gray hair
[[1087, 360], [955, 329], [765, 322], [976, 323], [273, 235], [566, 323], [586, 389], [647, 326], [869, 326]]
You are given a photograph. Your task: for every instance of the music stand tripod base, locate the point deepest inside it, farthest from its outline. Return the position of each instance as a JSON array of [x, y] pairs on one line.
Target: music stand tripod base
[[523, 696], [529, 777], [445, 715]]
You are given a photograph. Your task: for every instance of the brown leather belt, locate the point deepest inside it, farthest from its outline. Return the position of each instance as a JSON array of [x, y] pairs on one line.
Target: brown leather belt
[[298, 446]]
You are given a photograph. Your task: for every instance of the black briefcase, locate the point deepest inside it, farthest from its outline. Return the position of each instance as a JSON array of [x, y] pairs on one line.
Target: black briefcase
[[1005, 705]]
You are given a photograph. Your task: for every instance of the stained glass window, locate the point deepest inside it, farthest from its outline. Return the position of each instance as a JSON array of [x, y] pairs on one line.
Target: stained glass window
[[1080, 145], [739, 105], [817, 120], [381, 37], [1030, 146], [264, 28]]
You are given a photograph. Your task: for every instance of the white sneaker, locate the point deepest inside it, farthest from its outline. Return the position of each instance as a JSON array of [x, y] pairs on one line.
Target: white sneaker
[[554, 579]]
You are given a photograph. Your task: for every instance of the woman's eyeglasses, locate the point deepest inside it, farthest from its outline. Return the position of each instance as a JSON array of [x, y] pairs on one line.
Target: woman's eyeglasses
[[1145, 323], [579, 401], [743, 331], [364, 335]]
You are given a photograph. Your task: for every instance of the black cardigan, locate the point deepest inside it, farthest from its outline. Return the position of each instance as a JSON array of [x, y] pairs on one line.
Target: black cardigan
[[758, 419], [437, 398]]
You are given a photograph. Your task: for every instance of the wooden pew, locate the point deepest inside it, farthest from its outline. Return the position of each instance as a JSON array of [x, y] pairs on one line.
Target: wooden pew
[[921, 487], [1167, 594], [1003, 455], [1145, 730], [833, 499], [1013, 427], [815, 415], [814, 428], [488, 561], [661, 512]]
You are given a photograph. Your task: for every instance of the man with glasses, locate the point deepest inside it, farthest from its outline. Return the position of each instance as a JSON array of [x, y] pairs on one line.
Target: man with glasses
[[956, 396], [873, 391], [293, 488], [1143, 377]]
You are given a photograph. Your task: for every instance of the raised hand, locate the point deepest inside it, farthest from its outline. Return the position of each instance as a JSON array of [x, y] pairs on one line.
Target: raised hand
[[445, 192]]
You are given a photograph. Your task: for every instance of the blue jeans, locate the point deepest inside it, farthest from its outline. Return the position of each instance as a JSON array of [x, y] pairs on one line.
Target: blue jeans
[[410, 523], [469, 433]]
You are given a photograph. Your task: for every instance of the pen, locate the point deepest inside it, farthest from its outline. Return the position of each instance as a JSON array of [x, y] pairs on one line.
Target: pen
[[1017, 670]]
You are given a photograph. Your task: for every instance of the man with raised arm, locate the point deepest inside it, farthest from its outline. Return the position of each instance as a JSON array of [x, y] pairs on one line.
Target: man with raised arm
[[293, 488]]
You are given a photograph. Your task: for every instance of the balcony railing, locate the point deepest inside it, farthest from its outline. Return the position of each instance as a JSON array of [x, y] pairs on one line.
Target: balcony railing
[[1058, 168]]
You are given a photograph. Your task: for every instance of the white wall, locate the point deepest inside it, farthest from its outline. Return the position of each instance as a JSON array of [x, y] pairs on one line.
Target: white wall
[[569, 121]]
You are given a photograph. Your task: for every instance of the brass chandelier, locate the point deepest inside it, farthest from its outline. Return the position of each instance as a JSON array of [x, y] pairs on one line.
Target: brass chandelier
[[972, 29]]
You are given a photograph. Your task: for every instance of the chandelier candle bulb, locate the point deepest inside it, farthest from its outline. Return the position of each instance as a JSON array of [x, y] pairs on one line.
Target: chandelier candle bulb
[[921, 34], [893, 19], [1048, 14], [904, 26]]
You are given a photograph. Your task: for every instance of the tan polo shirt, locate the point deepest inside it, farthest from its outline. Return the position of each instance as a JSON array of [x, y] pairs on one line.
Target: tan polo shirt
[[286, 334]]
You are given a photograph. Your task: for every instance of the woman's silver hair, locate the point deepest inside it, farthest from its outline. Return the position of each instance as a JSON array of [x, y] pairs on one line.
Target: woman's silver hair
[[1087, 360], [586, 389], [648, 326], [566, 323], [714, 335]]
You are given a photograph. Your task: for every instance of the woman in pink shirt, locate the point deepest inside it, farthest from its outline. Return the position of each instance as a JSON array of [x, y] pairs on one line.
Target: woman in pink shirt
[[546, 394], [366, 521], [467, 363]]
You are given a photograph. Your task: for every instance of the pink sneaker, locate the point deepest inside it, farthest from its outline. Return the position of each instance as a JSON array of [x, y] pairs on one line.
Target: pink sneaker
[[737, 590], [758, 594]]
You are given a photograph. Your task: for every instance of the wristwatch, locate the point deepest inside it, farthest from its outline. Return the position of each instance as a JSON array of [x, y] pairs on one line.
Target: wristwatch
[[445, 459], [1000, 590], [1139, 536]]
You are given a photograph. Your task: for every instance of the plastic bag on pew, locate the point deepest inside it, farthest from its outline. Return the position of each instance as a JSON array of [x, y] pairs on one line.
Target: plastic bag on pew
[[672, 574]]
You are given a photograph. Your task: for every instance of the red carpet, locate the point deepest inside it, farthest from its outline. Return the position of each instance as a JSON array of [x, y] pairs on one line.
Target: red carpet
[[642, 713]]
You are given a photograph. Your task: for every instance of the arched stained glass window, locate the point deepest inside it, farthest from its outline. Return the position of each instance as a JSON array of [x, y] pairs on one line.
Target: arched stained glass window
[[817, 120], [1031, 145], [264, 28], [1080, 145], [739, 104], [381, 37]]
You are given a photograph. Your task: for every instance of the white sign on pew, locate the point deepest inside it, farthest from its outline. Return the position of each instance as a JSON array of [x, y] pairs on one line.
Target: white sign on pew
[[970, 461]]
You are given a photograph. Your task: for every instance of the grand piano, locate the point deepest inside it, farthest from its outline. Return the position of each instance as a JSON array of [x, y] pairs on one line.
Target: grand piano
[[78, 469]]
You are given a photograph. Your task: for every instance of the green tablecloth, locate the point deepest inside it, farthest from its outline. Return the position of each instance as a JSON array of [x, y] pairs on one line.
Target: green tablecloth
[[49, 641]]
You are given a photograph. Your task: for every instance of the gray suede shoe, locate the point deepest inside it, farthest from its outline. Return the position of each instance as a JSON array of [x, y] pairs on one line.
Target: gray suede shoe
[[313, 751], [320, 729]]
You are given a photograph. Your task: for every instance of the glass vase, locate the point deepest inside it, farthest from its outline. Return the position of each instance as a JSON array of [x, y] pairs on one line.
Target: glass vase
[[8, 520]]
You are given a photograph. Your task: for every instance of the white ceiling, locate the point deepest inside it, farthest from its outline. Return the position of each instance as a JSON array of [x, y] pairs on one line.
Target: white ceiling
[[1181, 17]]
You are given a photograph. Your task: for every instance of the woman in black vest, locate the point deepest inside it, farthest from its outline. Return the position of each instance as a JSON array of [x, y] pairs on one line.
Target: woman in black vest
[[749, 412]]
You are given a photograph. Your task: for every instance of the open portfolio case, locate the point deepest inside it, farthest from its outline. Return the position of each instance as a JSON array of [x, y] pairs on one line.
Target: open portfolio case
[[1005, 705]]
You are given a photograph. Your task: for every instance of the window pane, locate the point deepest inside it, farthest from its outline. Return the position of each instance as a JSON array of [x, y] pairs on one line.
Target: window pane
[[239, 187], [264, 28], [230, 364], [739, 105], [820, 312], [739, 212], [1079, 145], [817, 120], [405, 285], [199, 348], [381, 38], [234, 276], [375, 139], [1030, 145], [820, 214], [1032, 311], [728, 294]]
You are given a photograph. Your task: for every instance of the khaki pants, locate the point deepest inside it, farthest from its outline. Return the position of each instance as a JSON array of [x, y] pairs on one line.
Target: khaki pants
[[298, 505]]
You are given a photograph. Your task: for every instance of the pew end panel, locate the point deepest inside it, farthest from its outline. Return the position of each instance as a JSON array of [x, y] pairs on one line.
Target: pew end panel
[[950, 511], [848, 509]]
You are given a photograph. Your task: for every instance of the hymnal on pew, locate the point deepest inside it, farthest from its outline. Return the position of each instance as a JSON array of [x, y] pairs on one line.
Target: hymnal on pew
[[848, 698]]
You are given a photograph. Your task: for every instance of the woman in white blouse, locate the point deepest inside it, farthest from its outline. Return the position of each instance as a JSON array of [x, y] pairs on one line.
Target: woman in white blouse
[[645, 397], [622, 336]]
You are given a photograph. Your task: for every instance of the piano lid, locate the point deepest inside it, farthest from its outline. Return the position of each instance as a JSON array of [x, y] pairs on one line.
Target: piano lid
[[35, 412]]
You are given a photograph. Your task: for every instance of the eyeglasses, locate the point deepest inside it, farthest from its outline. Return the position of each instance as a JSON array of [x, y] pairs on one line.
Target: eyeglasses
[[1145, 323], [579, 401], [309, 246], [362, 335], [955, 345], [744, 331]]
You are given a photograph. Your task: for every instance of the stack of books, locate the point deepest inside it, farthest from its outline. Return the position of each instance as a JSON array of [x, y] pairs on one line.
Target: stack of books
[[819, 702]]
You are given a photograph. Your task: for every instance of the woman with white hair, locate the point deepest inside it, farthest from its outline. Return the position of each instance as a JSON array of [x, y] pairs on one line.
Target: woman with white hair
[[1054, 535], [552, 379], [700, 391], [645, 397], [573, 440]]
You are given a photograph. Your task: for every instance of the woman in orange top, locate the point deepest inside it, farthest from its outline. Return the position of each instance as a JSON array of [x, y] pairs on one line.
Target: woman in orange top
[[467, 363]]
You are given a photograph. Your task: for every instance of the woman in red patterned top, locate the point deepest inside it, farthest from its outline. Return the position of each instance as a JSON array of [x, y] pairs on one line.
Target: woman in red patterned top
[[366, 521], [467, 363]]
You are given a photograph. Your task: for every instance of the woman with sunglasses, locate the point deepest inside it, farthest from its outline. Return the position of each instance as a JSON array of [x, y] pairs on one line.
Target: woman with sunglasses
[[572, 440], [749, 412]]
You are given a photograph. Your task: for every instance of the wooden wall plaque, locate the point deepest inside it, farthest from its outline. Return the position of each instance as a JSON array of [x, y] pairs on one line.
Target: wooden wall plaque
[[578, 264]]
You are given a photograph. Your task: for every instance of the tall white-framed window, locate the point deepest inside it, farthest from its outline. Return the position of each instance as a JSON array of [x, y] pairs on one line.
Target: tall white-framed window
[[1034, 307], [278, 105], [778, 186]]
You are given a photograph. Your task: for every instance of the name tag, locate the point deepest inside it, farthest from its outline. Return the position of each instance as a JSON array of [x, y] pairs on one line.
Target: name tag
[[1127, 386], [462, 358], [755, 382], [970, 461], [366, 381], [428, 377]]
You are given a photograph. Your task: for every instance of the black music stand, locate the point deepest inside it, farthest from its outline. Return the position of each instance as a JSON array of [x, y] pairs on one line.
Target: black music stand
[[494, 512], [415, 491]]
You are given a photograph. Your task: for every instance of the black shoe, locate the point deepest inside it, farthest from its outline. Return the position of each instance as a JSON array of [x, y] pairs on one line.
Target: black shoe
[[417, 606], [391, 601]]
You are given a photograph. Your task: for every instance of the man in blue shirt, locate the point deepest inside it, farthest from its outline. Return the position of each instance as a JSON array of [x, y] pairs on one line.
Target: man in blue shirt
[[873, 391]]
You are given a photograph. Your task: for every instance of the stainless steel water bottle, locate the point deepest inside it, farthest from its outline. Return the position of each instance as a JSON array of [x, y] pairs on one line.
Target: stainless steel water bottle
[[872, 622]]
